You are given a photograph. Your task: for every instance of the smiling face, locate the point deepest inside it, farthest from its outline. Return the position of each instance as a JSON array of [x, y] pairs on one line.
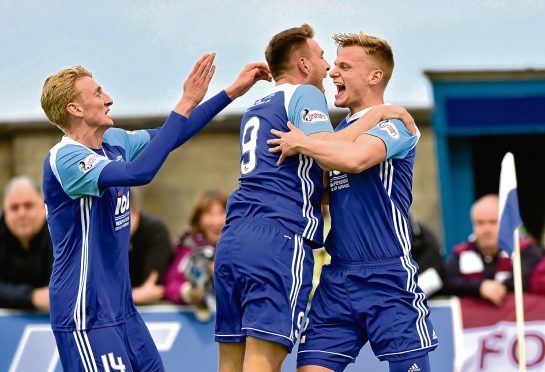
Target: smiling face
[[352, 75], [212, 221], [92, 103]]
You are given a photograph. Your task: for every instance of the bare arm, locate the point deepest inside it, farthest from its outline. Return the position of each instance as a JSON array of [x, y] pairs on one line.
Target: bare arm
[[345, 156], [369, 120]]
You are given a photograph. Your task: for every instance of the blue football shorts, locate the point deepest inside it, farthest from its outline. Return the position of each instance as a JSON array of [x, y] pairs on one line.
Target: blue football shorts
[[379, 302], [123, 347], [262, 277]]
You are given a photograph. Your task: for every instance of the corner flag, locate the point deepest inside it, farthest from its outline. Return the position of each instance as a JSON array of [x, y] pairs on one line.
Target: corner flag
[[509, 218]]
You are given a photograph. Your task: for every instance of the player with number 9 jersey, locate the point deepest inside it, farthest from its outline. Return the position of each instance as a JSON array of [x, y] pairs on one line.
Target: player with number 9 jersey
[[273, 222]]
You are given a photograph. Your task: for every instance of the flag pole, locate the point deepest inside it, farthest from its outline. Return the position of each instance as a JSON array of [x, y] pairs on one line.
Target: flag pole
[[509, 221], [519, 304]]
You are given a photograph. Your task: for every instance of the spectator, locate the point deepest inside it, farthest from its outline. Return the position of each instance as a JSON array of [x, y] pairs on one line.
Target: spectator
[[189, 277], [537, 279], [150, 253], [427, 252], [478, 268], [26, 253]]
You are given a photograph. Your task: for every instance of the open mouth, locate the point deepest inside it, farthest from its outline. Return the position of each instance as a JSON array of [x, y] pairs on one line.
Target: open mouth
[[341, 88]]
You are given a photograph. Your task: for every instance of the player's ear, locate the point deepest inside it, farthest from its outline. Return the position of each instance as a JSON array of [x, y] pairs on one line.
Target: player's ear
[[74, 109], [375, 77], [302, 65]]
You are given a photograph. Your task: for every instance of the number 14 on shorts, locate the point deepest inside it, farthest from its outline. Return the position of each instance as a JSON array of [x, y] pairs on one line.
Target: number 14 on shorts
[[111, 364]]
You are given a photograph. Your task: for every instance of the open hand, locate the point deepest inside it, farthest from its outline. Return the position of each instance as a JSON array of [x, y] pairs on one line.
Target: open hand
[[196, 84]]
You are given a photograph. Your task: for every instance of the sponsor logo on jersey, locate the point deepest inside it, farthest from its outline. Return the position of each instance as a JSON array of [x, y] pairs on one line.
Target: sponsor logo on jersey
[[89, 162], [338, 181], [312, 116], [122, 211], [389, 128]]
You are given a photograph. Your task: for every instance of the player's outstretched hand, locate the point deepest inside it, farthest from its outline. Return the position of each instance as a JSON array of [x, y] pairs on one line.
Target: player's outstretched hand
[[250, 74], [397, 112], [287, 142], [196, 84]]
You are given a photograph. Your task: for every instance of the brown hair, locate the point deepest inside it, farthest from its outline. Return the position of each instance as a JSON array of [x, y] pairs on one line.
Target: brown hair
[[374, 46], [203, 204], [58, 91], [283, 44]]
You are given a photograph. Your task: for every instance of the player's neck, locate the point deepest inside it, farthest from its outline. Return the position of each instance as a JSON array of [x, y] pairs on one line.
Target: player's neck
[[287, 79], [366, 103], [88, 136]]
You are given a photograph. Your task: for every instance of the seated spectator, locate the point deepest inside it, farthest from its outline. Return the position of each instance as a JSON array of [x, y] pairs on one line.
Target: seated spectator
[[150, 253], [189, 279], [26, 251], [478, 268], [427, 253]]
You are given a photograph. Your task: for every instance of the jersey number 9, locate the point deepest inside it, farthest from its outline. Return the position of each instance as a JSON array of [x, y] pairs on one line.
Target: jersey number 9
[[249, 145]]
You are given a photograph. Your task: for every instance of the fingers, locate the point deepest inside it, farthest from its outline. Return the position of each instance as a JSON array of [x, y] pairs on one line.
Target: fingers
[[291, 126], [204, 66], [210, 74], [277, 133], [198, 63], [281, 159], [275, 149], [260, 65], [153, 276]]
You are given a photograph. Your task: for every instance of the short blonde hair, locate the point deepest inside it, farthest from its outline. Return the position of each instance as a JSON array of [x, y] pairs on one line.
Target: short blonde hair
[[374, 46], [58, 91], [281, 46]]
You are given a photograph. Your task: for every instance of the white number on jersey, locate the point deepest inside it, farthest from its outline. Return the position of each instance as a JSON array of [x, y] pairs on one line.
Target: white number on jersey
[[111, 362], [250, 146]]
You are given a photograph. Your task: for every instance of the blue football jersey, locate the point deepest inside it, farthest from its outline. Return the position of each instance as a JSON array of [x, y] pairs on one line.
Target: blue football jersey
[[370, 210], [90, 285], [292, 192]]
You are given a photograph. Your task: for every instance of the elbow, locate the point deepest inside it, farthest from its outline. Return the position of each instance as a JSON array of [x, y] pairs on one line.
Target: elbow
[[354, 165], [142, 179], [147, 179]]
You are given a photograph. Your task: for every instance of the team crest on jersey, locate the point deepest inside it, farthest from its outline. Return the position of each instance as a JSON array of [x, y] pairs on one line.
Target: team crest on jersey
[[389, 128], [89, 162], [312, 116]]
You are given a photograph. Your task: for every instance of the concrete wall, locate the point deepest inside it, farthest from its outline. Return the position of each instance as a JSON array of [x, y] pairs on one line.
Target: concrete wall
[[209, 160]]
